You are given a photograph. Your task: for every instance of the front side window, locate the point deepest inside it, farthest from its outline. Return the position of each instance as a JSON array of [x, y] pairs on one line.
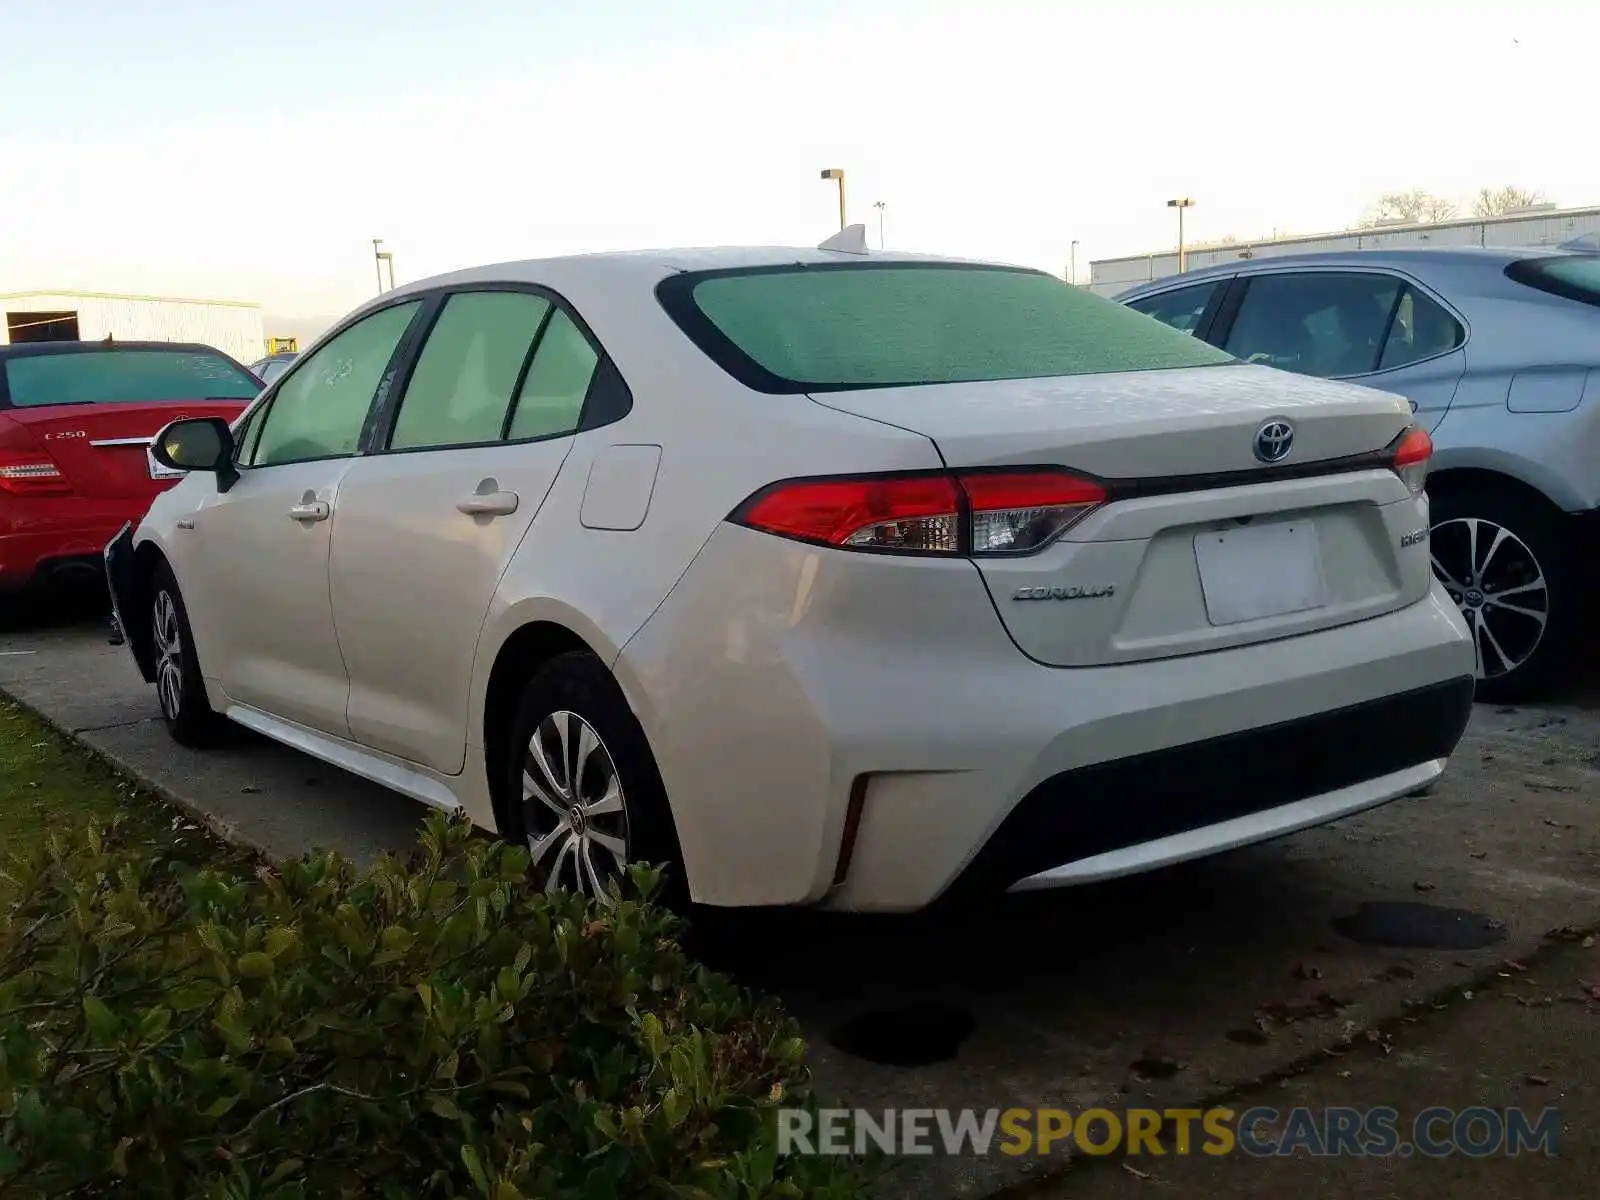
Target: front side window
[[1181, 308], [130, 376], [461, 389], [318, 411], [835, 327], [1321, 323]]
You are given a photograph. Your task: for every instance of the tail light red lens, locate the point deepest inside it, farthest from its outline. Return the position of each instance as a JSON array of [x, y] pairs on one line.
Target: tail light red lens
[[971, 513], [31, 475], [1412, 454]]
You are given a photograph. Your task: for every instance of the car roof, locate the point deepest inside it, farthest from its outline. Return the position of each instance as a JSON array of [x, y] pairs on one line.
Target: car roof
[[1401, 257], [25, 349], [658, 264]]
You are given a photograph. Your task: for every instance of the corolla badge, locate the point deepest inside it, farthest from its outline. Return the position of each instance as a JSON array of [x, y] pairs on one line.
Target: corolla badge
[[1087, 592], [1274, 440]]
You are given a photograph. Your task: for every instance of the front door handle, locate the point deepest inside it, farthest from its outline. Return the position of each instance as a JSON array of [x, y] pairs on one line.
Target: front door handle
[[489, 501], [311, 510]]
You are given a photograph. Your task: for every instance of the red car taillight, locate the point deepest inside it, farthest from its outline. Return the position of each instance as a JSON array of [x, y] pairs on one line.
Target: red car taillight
[[29, 473], [976, 512], [1412, 453]]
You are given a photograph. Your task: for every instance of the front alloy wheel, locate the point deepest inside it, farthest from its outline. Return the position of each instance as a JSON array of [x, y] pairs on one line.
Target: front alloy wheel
[[167, 637], [1500, 586], [573, 806]]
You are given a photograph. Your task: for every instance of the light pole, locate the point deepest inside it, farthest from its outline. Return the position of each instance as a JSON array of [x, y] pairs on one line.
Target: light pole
[[1074, 267], [1180, 204], [837, 175], [880, 206], [379, 257]]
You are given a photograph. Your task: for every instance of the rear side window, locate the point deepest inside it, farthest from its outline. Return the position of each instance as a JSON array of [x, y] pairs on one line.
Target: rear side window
[[1576, 277], [464, 380], [1181, 308], [832, 328], [124, 377]]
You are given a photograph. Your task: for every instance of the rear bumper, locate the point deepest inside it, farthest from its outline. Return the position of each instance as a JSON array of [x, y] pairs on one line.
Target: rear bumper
[[51, 538], [1150, 810], [862, 729]]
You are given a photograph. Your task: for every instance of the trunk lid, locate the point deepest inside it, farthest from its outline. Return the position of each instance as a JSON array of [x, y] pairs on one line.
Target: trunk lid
[[103, 450], [1138, 425], [94, 407], [1200, 545]]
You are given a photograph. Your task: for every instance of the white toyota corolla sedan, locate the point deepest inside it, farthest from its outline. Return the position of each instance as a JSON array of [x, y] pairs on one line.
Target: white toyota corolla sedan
[[824, 577]]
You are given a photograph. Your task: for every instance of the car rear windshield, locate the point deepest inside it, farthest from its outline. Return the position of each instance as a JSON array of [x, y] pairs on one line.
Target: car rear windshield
[[130, 376], [1576, 276], [838, 327]]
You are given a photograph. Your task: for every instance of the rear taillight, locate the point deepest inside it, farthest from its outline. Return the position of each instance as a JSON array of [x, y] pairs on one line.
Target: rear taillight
[[30, 474], [1412, 453], [979, 512]]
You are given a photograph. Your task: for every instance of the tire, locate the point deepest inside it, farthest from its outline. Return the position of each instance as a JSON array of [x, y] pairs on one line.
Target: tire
[[180, 687], [1488, 543], [619, 815]]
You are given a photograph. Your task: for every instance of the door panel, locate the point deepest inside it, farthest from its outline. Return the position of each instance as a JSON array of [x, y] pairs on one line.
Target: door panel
[[409, 635], [263, 545], [262, 594], [450, 492], [1369, 327]]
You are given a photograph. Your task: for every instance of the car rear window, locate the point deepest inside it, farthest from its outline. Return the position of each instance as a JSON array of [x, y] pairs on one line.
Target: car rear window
[[837, 327], [128, 376], [1577, 276]]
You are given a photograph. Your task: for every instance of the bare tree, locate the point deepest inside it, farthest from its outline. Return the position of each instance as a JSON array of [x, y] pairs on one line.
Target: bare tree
[[1493, 202], [1415, 206]]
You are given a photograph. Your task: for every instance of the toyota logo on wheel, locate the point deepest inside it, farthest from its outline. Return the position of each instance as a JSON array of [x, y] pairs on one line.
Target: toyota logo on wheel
[[1274, 440]]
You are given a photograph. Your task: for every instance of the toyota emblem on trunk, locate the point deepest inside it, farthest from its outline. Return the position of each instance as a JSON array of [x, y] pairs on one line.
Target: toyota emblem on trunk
[[1274, 440]]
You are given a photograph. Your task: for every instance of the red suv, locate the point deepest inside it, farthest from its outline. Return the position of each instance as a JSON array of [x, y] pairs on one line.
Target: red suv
[[76, 421]]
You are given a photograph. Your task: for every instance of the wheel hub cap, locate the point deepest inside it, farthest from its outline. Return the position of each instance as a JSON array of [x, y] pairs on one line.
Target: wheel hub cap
[[573, 806]]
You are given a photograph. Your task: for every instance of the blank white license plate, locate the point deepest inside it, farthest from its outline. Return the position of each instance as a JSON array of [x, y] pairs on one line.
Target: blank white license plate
[[1260, 571], [157, 471]]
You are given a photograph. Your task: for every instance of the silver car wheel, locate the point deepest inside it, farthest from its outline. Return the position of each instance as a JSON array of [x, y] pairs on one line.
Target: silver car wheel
[[1500, 587], [573, 806], [169, 654]]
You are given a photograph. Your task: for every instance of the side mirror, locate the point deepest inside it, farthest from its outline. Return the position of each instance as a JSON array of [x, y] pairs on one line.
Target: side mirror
[[196, 444]]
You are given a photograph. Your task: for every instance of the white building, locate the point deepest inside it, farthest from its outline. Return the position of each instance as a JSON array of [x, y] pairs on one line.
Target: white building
[[1544, 225], [229, 325]]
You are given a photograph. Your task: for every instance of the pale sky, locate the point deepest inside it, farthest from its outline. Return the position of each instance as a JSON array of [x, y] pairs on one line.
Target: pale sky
[[254, 152]]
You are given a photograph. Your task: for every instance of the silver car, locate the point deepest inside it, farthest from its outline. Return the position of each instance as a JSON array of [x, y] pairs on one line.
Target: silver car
[[1498, 352]]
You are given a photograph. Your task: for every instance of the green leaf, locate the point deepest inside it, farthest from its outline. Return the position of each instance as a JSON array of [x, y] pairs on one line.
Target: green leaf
[[255, 965], [220, 1106], [10, 1161], [653, 1036], [282, 1171], [102, 1021], [474, 1165], [119, 1157], [442, 1106], [279, 939], [397, 939]]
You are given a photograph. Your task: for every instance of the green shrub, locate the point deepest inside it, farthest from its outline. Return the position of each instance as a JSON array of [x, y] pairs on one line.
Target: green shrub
[[432, 1028]]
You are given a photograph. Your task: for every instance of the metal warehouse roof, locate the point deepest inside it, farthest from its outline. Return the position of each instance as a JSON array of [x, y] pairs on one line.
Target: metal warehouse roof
[[78, 295]]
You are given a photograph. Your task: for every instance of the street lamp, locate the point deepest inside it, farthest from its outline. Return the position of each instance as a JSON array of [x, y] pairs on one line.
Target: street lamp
[[379, 257], [837, 175], [1074, 268], [880, 206], [1180, 204]]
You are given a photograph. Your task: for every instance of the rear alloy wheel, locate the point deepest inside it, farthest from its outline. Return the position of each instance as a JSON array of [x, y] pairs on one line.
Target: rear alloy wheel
[[574, 807], [582, 789], [1503, 562], [180, 688]]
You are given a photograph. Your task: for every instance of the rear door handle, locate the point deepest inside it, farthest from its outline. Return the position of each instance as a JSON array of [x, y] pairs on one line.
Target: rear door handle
[[489, 501], [311, 510]]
